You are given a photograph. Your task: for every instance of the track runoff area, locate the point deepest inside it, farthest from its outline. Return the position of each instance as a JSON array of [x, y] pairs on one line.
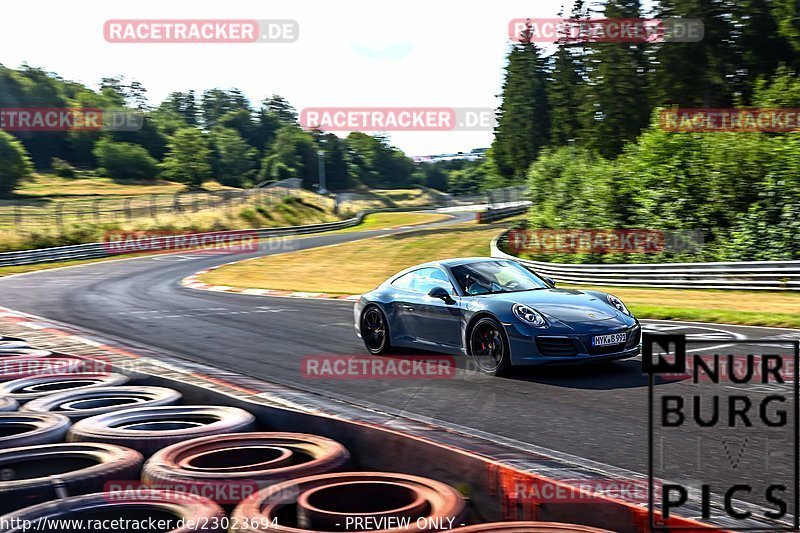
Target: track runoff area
[[713, 433]]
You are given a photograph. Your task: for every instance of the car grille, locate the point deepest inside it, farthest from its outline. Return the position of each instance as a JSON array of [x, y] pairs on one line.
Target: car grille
[[556, 347]]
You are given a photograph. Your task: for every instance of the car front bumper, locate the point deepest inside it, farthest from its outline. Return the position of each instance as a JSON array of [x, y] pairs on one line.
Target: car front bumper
[[569, 349]]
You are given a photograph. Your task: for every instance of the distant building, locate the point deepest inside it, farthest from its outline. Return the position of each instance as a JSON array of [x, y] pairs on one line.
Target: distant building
[[473, 155]]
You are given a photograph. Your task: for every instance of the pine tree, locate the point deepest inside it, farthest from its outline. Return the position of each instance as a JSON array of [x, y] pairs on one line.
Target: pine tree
[[615, 103], [523, 120]]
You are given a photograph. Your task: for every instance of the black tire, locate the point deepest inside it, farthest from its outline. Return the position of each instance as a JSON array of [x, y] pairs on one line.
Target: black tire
[[487, 345], [8, 404], [83, 403], [27, 429], [26, 389], [143, 504], [236, 465], [374, 329], [36, 474], [151, 428]]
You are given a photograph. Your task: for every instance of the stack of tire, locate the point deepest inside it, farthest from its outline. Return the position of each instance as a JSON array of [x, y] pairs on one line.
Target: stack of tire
[[89, 445]]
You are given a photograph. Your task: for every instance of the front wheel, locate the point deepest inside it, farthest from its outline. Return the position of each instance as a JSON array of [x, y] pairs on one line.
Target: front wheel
[[488, 347], [375, 331]]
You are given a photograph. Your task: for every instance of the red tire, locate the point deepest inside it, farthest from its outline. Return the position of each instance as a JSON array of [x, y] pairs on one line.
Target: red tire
[[189, 510], [27, 429], [83, 403], [325, 500], [228, 468], [32, 474], [30, 388], [529, 527], [151, 428]]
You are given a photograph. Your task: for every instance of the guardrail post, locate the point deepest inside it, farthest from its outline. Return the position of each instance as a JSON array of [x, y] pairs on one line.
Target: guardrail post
[[154, 206], [195, 203], [96, 210], [126, 208], [59, 212], [18, 216], [176, 203]]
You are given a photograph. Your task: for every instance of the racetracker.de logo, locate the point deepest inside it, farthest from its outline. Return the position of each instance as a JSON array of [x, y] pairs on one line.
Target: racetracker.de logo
[[199, 31], [613, 30], [713, 120], [130, 242], [398, 118], [69, 118], [368, 367], [225, 492], [600, 241]]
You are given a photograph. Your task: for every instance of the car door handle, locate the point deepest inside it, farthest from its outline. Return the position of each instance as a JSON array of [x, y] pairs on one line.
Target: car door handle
[[408, 307]]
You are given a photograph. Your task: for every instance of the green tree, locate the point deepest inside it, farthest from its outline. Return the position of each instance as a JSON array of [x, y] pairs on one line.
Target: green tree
[[523, 120], [293, 154], [188, 158], [615, 102], [281, 108], [15, 164], [234, 159], [218, 102], [125, 161]]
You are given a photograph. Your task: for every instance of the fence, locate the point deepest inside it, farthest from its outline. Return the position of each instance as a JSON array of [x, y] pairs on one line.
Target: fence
[[32, 218], [746, 275]]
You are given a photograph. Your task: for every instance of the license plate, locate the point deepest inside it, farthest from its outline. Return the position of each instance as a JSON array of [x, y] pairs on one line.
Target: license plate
[[608, 340]]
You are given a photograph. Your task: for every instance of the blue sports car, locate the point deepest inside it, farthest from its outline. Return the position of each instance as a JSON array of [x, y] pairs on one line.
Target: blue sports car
[[497, 312]]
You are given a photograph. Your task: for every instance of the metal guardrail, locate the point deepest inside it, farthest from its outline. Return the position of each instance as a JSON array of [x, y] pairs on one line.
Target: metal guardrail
[[99, 249], [744, 275]]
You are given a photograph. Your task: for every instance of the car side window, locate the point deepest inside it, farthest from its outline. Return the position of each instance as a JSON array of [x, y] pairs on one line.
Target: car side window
[[428, 278], [404, 282]]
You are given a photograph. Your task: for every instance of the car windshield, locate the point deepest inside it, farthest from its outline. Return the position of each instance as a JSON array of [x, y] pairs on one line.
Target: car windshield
[[491, 277]]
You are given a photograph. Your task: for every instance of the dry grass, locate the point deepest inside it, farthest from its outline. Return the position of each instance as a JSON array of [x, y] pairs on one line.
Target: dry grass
[[360, 266], [356, 267]]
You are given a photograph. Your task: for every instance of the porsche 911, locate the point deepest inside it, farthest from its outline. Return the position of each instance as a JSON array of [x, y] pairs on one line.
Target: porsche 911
[[497, 312]]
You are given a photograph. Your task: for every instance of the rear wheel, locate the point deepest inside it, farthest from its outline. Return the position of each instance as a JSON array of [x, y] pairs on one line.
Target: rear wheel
[[375, 331], [488, 347]]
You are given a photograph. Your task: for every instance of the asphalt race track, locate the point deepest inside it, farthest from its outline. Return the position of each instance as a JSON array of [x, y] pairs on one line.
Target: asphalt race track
[[596, 413]]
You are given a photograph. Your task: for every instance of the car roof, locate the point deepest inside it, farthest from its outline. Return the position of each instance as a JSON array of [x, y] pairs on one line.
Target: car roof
[[454, 261]]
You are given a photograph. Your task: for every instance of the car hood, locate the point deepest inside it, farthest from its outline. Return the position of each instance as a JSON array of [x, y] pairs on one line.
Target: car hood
[[565, 305]]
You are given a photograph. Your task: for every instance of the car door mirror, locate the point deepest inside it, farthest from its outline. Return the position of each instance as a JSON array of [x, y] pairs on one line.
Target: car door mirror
[[442, 294], [550, 281]]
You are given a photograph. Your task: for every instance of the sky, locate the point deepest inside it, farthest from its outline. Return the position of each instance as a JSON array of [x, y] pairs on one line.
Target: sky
[[350, 53]]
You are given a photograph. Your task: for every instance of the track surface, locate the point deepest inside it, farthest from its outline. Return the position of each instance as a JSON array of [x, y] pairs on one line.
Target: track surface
[[597, 413]]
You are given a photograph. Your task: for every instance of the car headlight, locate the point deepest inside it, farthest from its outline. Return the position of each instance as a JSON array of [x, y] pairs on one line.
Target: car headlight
[[617, 303], [529, 316]]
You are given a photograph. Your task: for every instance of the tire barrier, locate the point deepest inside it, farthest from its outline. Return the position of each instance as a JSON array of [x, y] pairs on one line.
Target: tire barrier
[[8, 404], [30, 388], [529, 527], [21, 367], [36, 474], [151, 428], [290, 482], [239, 464], [84, 403], [332, 502], [158, 505], [27, 429]]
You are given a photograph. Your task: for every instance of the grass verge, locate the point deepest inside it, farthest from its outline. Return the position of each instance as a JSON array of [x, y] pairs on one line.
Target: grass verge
[[360, 266], [372, 222]]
